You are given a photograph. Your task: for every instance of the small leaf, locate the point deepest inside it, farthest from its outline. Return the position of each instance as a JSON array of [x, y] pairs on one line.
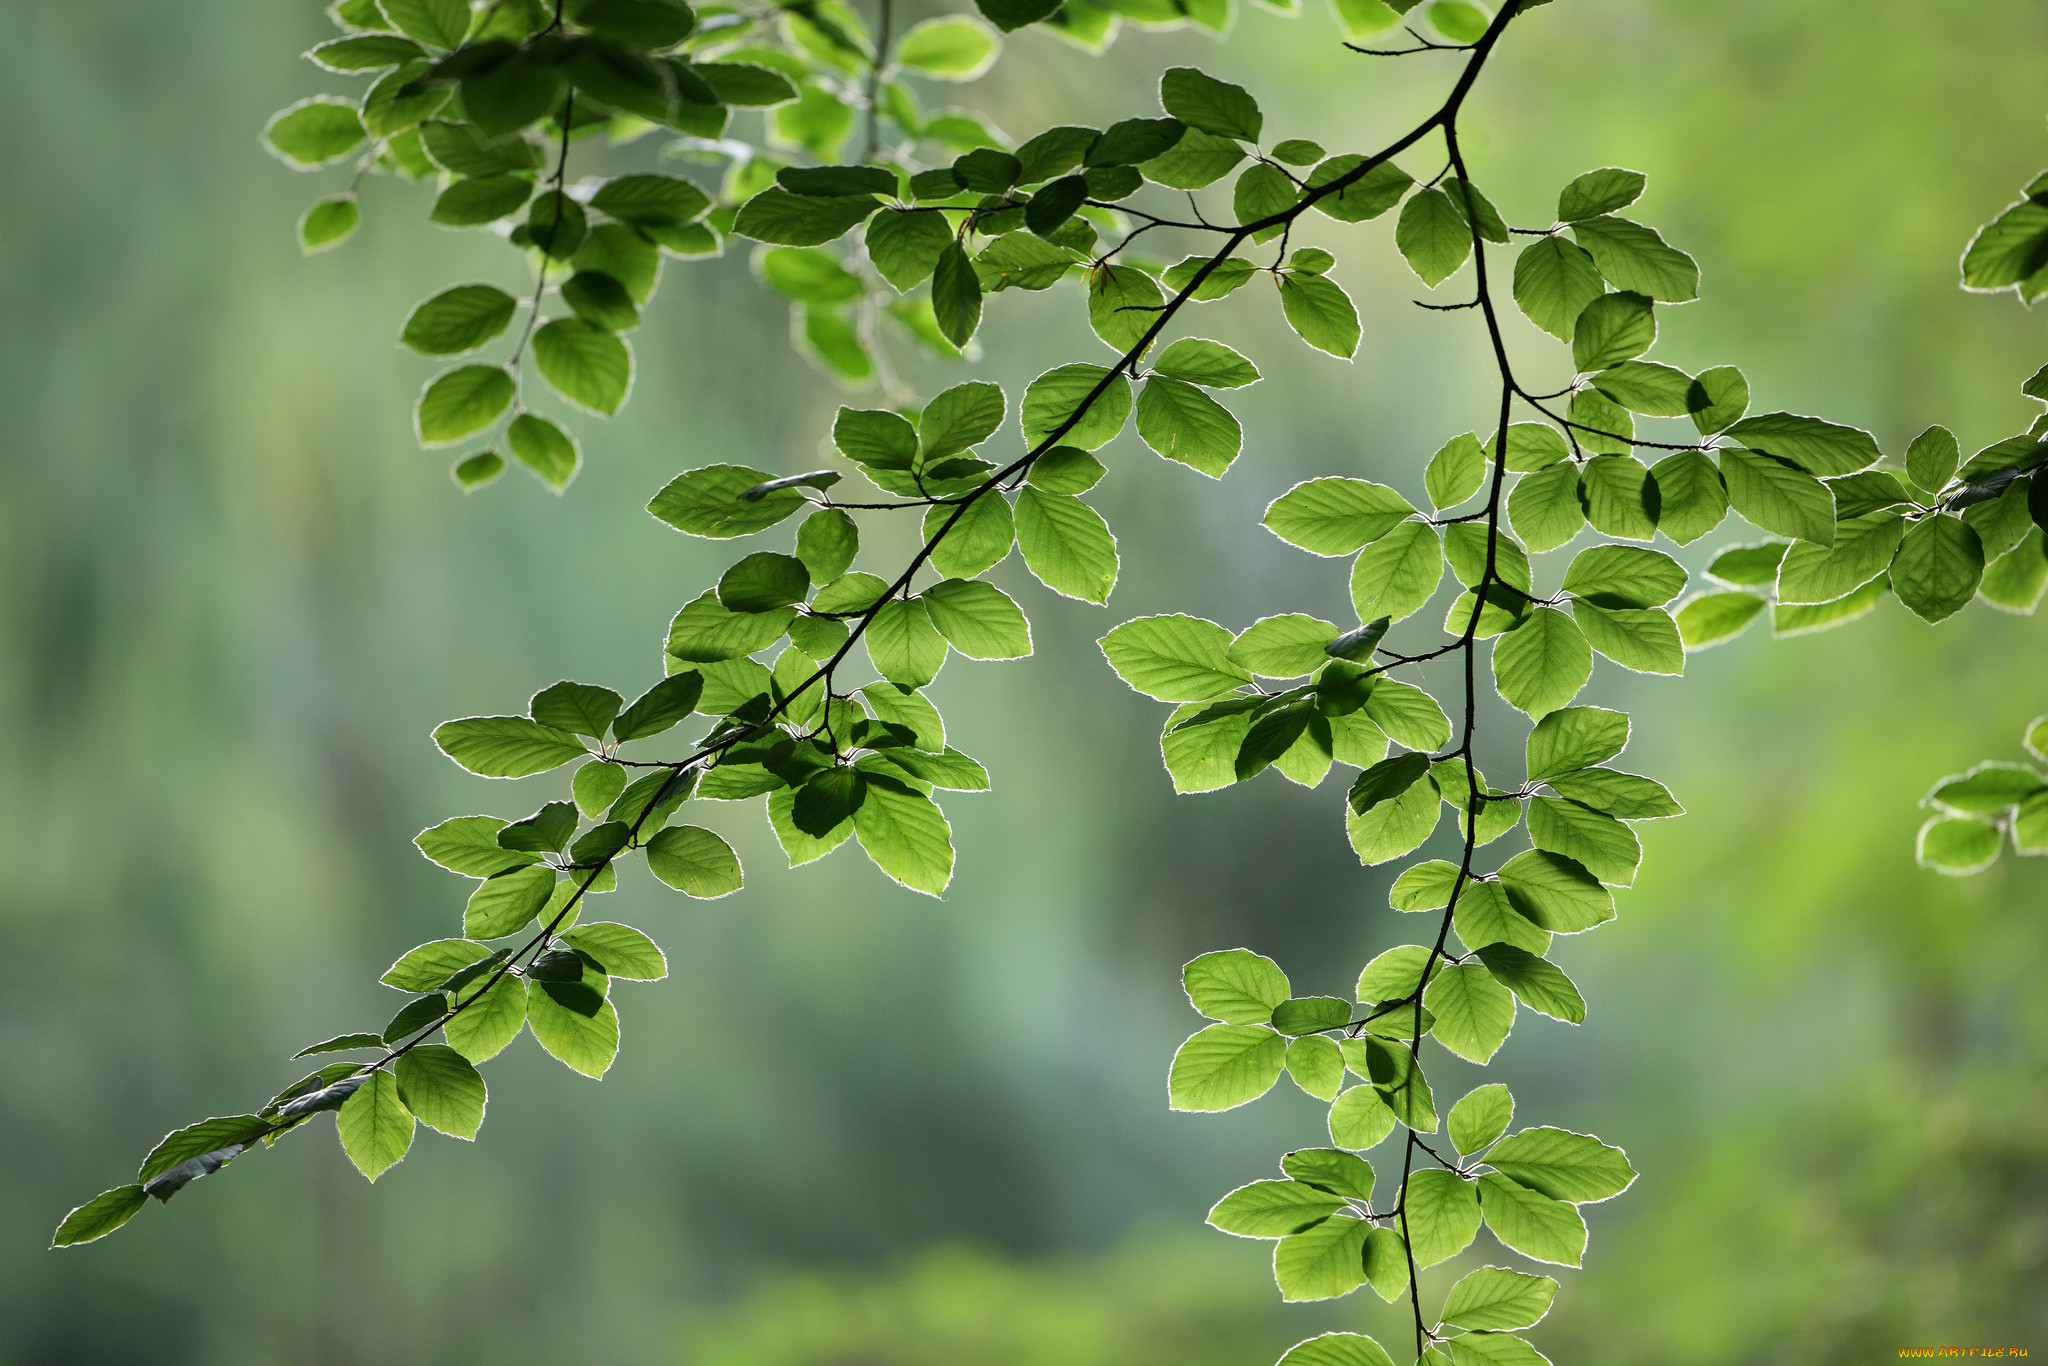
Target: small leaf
[[694, 861]]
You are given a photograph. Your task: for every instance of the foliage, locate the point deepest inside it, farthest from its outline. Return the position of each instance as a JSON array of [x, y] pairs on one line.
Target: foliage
[[898, 244]]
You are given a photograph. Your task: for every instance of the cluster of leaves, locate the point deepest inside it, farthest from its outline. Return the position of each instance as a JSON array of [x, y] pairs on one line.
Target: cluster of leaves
[[1975, 811], [939, 212]]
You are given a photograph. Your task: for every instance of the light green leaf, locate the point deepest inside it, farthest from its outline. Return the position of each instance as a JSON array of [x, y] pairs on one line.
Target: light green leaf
[[1321, 312], [1542, 664], [1283, 647], [1441, 1214], [1324, 1262], [1777, 497], [1634, 257], [1396, 826], [1820, 448], [954, 48], [1273, 1209], [587, 365], [706, 502], [1532, 1224], [1620, 497], [1611, 329], [458, 320], [1210, 364], [1799, 620], [1174, 658], [978, 541], [1555, 892], [505, 904], [1863, 548], [621, 950], [1360, 1119], [375, 1126], [101, 1215], [1473, 1012], [1497, 1299], [1433, 236], [1708, 619], [1932, 458], [1643, 639], [1386, 1264], [1201, 101], [1317, 1066], [1225, 1066], [1408, 715], [1066, 544], [1621, 795], [1575, 737], [903, 645], [1395, 575], [1554, 281], [1691, 497], [1058, 406], [1544, 507], [1563, 1165], [489, 1018], [586, 1043], [1957, 845], [1337, 1349], [708, 632], [694, 861], [1484, 915], [1236, 986], [469, 845], [1599, 192], [314, 132], [959, 419], [1607, 848], [442, 1090], [461, 403], [1334, 516], [1181, 422], [978, 619], [1627, 576], [1480, 1117], [904, 833], [1455, 472]]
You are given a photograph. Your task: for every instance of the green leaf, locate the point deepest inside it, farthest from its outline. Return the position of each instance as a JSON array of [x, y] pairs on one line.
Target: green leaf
[[660, 707], [1473, 1012], [1317, 1066], [1532, 1224], [762, 582], [1554, 281], [1340, 1173], [1225, 1066], [1863, 548], [905, 245], [1619, 496], [1611, 329], [1198, 159], [705, 632], [1208, 363], [469, 845], [1396, 824], [1283, 647], [586, 1043], [2015, 580], [1174, 658], [442, 1090], [800, 220], [1574, 738], [545, 449], [1484, 915], [99, 1216], [706, 502], [1386, 1264], [1123, 305], [954, 48], [475, 200], [1360, 1119], [488, 1020], [621, 950], [1987, 788], [1563, 1165], [746, 84], [1263, 194], [1643, 639], [1408, 715], [956, 294], [1957, 845], [1433, 237], [1648, 388], [437, 23], [1556, 893], [1322, 1263], [375, 1126], [1622, 795], [314, 132], [1455, 472], [1623, 576], [1201, 101], [979, 539], [587, 365], [1334, 516], [694, 861], [578, 708], [506, 746], [601, 301], [1366, 196], [978, 619], [1480, 1118], [1273, 1209], [1338, 1349], [1058, 407], [827, 542], [1441, 1215], [458, 320], [1607, 848], [1066, 544], [1599, 192], [1939, 565], [1544, 507], [461, 403], [1635, 258], [1775, 496], [325, 224], [342, 1043], [1493, 1298], [1932, 458], [1321, 312], [1820, 448], [1801, 620], [1236, 986], [1182, 423], [1542, 664], [905, 835], [1690, 495], [506, 903]]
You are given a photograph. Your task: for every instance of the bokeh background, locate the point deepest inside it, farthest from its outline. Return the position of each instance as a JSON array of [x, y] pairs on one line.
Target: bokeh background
[[861, 1128]]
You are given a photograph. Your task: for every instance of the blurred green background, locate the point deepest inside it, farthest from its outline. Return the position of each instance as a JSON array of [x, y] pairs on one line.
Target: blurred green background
[[861, 1128]]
